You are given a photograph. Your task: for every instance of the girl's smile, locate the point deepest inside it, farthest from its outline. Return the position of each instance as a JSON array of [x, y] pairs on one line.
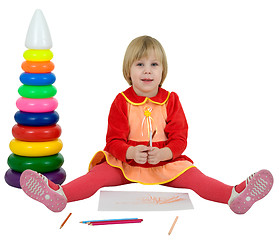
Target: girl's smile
[[147, 80]]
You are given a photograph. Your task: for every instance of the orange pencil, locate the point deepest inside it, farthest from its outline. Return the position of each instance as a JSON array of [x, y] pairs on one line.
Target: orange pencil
[[172, 226], [65, 220]]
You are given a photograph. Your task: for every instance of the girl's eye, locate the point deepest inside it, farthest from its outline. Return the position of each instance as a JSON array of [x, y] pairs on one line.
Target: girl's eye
[[154, 64], [140, 64]]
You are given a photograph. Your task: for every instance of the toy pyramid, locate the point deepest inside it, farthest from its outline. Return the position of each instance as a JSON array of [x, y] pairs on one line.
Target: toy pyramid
[[36, 144]]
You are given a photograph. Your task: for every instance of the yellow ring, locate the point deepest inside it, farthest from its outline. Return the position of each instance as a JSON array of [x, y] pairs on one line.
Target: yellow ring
[[36, 149], [38, 55]]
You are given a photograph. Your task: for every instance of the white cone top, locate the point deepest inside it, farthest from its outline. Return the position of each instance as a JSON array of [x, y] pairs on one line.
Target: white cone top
[[38, 35]]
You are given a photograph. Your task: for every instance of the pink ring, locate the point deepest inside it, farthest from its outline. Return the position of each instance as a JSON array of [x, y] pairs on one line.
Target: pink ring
[[36, 105]]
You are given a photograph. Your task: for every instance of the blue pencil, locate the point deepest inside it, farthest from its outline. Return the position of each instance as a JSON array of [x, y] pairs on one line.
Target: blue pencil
[[104, 220]]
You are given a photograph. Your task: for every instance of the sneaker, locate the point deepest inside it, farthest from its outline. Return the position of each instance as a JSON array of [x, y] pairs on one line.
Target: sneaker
[[258, 185], [36, 186]]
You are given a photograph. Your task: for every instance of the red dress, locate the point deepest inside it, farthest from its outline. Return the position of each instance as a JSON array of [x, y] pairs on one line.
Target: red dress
[[132, 119]]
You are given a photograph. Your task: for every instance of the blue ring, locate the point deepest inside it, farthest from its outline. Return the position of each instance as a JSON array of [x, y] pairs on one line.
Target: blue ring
[[36, 119], [37, 79]]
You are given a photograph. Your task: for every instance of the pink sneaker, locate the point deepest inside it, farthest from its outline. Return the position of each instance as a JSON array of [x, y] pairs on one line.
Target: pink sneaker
[[257, 187], [36, 186]]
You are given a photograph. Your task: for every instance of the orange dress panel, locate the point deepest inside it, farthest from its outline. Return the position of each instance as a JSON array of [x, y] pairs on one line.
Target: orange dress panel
[[143, 119], [139, 123]]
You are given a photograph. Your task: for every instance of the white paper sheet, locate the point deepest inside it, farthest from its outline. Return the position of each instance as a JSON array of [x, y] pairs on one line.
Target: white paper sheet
[[143, 201]]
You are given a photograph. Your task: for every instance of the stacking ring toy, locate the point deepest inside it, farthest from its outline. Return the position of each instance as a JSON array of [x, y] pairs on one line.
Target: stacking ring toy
[[37, 67], [12, 177], [38, 55], [36, 134], [36, 119], [38, 164], [37, 79], [36, 149], [28, 91], [36, 105]]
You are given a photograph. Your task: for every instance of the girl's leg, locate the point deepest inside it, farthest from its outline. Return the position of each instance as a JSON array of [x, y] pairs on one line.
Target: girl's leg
[[102, 175], [206, 187], [55, 197], [240, 198]]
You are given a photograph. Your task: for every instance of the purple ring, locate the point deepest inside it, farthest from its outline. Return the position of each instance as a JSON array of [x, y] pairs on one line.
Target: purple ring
[[12, 177]]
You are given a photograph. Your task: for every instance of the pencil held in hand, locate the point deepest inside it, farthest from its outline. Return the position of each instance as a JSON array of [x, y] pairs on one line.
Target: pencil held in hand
[[151, 137]]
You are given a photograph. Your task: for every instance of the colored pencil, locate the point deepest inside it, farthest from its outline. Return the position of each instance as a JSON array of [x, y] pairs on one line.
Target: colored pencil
[[65, 220], [115, 222], [172, 226], [150, 138], [119, 219]]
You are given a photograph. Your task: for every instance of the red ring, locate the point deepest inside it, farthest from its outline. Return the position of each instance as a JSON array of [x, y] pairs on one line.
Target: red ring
[[36, 134]]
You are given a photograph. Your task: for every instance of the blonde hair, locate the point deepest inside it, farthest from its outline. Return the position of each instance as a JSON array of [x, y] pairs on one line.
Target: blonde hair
[[140, 47]]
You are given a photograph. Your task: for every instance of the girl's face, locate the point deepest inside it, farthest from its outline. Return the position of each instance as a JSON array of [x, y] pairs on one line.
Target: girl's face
[[146, 75]]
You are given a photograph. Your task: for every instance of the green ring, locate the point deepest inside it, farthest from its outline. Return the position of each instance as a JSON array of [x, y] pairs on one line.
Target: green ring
[[29, 91], [38, 164]]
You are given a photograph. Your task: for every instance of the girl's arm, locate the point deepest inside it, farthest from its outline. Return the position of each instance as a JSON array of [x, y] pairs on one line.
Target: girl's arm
[[118, 129], [177, 128]]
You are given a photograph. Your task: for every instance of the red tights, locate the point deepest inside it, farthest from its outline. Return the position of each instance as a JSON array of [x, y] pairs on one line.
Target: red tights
[[103, 175]]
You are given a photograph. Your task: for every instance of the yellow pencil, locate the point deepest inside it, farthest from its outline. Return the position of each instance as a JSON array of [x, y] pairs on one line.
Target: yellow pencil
[[172, 226], [65, 220]]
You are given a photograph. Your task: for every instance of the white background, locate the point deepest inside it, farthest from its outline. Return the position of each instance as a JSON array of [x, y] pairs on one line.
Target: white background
[[223, 62]]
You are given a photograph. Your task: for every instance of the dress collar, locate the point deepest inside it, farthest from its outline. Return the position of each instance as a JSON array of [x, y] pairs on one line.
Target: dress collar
[[131, 97]]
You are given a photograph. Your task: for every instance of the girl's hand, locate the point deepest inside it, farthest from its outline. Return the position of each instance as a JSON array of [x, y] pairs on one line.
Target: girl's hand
[[138, 153], [156, 155]]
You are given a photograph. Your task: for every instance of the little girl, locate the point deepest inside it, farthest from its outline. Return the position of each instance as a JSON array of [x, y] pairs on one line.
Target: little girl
[[146, 136]]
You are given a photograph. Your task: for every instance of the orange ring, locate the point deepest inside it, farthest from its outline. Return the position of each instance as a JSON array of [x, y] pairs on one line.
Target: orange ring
[[37, 67]]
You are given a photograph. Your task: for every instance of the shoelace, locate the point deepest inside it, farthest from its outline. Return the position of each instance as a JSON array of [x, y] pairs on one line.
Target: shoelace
[[250, 178], [43, 177]]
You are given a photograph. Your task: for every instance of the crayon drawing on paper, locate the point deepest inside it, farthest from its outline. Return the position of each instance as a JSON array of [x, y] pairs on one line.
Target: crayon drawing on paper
[[143, 201]]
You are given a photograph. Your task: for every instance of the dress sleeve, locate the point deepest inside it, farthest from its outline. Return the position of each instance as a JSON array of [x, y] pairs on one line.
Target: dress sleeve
[[177, 128], [118, 129]]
